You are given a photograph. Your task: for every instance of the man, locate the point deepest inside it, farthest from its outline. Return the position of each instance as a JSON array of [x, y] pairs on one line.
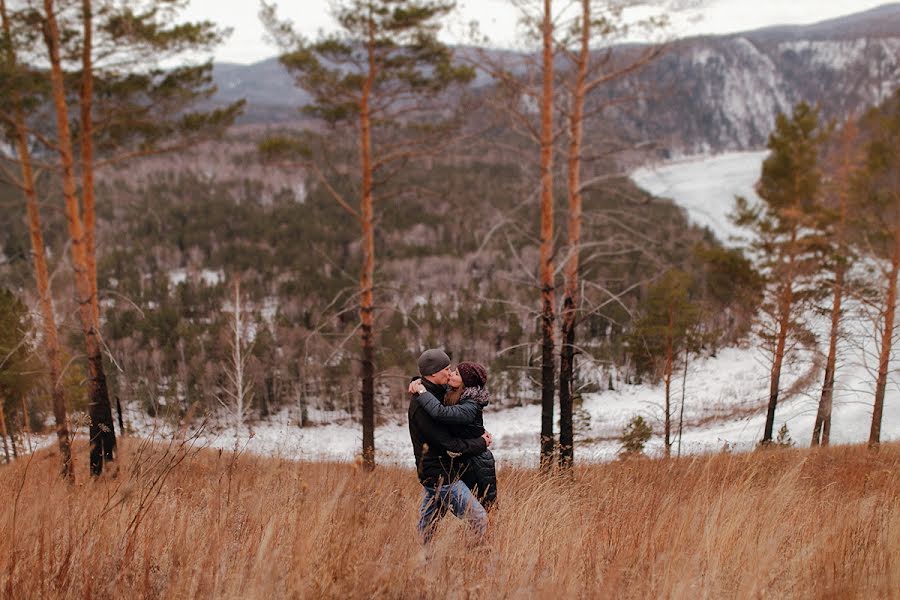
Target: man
[[440, 457]]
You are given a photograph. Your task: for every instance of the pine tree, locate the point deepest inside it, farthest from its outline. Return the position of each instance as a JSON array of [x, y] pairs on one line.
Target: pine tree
[[731, 291], [880, 187], [102, 435], [789, 240], [662, 332], [378, 77], [144, 110], [598, 22], [846, 167], [529, 100], [545, 96], [22, 81], [130, 106]]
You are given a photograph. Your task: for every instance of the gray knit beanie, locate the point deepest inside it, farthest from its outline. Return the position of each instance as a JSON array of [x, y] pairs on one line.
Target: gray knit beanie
[[432, 361]]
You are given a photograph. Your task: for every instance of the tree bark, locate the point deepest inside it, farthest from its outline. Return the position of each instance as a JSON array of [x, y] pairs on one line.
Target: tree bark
[[566, 380], [683, 394], [890, 308], [367, 278], [87, 154], [548, 310], [570, 301], [41, 275], [670, 350], [786, 302], [102, 433], [26, 427], [822, 427], [775, 377], [3, 431], [51, 336]]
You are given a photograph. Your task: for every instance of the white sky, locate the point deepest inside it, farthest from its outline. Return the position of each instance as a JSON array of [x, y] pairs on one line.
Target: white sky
[[498, 19]]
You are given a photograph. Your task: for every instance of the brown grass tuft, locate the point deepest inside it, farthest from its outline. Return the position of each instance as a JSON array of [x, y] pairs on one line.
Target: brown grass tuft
[[182, 523]]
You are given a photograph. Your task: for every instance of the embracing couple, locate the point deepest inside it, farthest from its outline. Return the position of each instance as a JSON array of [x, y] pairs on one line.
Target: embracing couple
[[455, 467]]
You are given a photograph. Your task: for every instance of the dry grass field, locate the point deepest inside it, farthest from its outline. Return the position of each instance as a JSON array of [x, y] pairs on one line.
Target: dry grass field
[[191, 523]]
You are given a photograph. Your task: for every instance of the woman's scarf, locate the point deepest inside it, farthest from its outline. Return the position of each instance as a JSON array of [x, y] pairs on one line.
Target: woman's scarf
[[477, 394]]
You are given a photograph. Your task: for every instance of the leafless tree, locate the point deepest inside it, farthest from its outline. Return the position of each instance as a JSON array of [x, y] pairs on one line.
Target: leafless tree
[[237, 397]]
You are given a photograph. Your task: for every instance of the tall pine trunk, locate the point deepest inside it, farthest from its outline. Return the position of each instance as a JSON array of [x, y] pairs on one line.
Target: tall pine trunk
[[51, 336], [548, 310], [12, 440], [26, 428], [87, 154], [670, 351], [890, 308], [570, 301], [566, 380], [785, 307], [104, 410], [367, 279], [775, 375], [42, 279], [683, 394], [102, 434], [822, 427]]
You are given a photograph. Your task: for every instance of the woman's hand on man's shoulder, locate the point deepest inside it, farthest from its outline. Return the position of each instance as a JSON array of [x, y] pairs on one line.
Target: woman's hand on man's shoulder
[[416, 387]]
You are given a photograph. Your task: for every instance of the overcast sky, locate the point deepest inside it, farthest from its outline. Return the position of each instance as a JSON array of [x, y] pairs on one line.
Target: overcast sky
[[497, 19]]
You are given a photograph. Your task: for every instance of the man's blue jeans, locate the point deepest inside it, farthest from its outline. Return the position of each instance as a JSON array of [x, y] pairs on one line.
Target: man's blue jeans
[[461, 502]]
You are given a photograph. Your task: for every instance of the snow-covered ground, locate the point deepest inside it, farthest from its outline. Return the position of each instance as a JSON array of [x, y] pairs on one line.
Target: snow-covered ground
[[725, 399], [725, 395]]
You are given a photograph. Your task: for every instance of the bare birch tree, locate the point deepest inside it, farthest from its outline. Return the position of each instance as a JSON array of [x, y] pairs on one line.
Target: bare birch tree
[[237, 397]]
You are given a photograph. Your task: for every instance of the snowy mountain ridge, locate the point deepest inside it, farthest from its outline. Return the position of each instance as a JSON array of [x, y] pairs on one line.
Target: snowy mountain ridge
[[723, 94], [704, 95]]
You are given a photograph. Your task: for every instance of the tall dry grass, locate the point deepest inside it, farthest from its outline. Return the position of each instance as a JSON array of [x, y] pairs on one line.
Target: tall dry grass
[[182, 523]]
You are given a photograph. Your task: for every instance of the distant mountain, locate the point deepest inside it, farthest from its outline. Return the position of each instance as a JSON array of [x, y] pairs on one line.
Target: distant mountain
[[266, 85], [706, 94], [723, 93], [883, 21]]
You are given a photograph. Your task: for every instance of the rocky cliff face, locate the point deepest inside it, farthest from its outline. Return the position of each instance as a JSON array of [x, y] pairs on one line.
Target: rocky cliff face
[[717, 94], [707, 94]]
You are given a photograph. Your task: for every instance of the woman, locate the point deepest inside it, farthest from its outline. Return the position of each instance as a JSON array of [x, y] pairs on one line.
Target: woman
[[462, 413]]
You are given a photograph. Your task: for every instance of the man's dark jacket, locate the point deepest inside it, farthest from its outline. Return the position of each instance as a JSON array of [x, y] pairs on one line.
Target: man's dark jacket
[[432, 441]]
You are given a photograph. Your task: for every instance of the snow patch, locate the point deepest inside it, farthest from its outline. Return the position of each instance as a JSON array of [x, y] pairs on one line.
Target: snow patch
[[706, 188], [210, 277], [177, 277], [840, 54]]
